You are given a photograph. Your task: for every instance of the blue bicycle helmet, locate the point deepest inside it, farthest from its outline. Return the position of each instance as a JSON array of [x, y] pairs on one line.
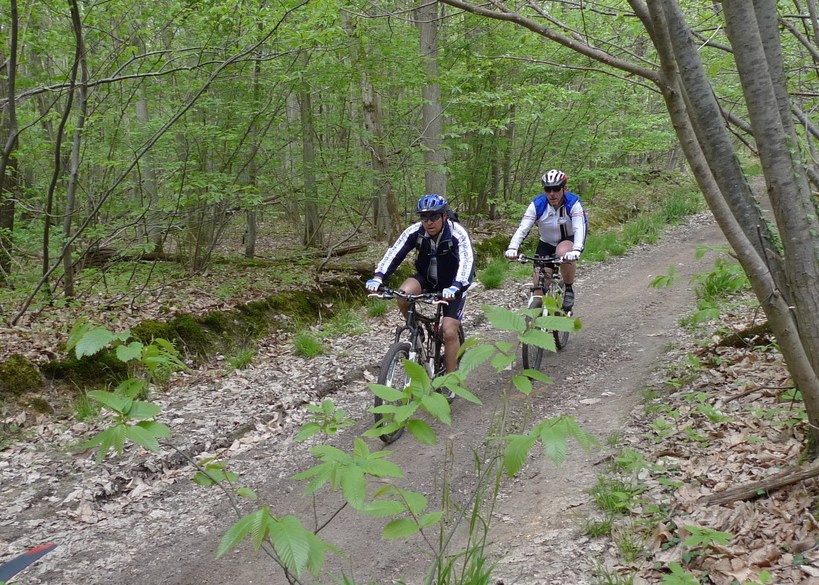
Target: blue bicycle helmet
[[431, 204]]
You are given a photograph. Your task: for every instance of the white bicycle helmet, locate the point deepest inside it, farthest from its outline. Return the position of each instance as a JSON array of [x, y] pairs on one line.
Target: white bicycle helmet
[[554, 178]]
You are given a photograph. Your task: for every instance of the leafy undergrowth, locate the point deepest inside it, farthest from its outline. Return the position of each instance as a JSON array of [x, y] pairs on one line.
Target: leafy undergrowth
[[732, 419]]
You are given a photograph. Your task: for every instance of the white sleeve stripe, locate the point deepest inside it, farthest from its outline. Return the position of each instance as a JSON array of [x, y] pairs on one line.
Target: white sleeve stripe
[[396, 248]]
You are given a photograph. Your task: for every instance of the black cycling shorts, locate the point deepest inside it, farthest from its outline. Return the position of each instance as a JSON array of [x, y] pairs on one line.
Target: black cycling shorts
[[455, 308]]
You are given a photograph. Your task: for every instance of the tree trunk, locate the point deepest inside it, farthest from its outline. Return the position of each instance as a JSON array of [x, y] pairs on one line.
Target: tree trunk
[[74, 165], [384, 207], [772, 282], [311, 234], [9, 183], [435, 155]]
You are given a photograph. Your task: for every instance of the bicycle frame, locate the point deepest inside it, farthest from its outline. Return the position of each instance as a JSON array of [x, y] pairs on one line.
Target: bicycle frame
[[541, 264], [419, 326]]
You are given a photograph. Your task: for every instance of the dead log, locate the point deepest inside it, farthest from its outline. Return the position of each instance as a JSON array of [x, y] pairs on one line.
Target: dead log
[[752, 490], [747, 337]]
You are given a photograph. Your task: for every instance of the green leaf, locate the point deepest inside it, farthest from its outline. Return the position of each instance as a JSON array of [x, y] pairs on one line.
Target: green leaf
[[504, 319], [383, 508], [113, 401], [418, 375], [539, 338], [437, 405], [132, 351], [131, 387], [554, 443], [203, 479], [400, 528], [501, 361], [142, 410], [78, 331], [523, 384], [422, 432], [238, 532], [157, 429], [703, 537], [354, 487], [386, 393], [537, 375], [308, 430], [93, 341], [247, 493], [142, 437], [558, 323], [474, 357], [291, 541], [430, 519], [516, 452], [416, 501]]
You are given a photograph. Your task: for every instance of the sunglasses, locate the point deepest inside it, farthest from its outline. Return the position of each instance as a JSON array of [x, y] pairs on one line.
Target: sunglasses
[[431, 218], [552, 189]]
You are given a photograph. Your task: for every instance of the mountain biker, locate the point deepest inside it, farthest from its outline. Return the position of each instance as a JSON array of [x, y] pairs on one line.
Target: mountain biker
[[445, 263], [562, 224]]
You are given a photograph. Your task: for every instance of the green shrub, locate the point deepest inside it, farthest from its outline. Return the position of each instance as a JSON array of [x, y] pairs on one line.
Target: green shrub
[[307, 345], [492, 276]]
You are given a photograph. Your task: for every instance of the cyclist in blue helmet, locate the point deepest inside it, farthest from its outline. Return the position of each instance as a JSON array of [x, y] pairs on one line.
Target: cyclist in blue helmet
[[445, 263], [562, 224]]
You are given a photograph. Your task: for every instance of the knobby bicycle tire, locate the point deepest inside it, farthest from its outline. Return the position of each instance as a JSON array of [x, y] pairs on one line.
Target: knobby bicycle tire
[[561, 337], [392, 374], [532, 355]]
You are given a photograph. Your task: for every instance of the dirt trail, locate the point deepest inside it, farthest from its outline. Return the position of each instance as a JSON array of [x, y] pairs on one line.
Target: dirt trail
[[170, 536]]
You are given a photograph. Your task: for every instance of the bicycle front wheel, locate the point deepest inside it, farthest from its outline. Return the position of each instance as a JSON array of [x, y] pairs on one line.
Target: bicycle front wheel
[[561, 337], [532, 355], [394, 375]]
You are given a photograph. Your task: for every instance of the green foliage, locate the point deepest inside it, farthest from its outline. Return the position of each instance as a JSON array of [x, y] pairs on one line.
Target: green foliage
[[725, 278], [325, 419], [492, 276], [377, 308], [297, 547], [307, 345], [553, 434], [346, 321], [679, 576], [615, 496], [242, 359], [664, 280], [133, 418], [348, 472]]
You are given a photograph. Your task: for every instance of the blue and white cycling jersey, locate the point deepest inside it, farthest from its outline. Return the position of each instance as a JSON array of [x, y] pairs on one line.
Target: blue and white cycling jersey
[[554, 225]]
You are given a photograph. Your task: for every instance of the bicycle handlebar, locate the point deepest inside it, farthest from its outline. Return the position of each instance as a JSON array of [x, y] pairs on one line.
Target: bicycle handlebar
[[539, 260], [431, 298]]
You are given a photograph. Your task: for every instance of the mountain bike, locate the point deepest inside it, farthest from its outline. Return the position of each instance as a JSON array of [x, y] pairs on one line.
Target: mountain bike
[[419, 340], [551, 303]]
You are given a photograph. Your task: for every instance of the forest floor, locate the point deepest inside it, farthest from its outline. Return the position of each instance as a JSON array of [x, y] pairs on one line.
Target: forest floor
[[139, 519]]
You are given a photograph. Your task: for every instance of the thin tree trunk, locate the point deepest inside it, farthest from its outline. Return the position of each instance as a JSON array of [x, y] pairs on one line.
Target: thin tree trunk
[[311, 235], [8, 167], [435, 155], [74, 169], [384, 207]]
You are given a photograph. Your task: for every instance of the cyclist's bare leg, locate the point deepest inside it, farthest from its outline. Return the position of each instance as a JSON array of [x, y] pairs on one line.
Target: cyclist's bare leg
[[451, 343], [411, 287], [568, 270]]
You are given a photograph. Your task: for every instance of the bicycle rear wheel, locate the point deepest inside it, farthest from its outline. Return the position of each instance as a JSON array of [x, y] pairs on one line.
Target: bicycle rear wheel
[[394, 375]]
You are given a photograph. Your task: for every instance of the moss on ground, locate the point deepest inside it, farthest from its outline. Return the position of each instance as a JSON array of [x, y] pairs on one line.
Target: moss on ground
[[18, 376]]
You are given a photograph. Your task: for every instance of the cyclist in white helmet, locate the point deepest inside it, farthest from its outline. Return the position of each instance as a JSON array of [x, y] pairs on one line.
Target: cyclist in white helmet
[[562, 224]]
